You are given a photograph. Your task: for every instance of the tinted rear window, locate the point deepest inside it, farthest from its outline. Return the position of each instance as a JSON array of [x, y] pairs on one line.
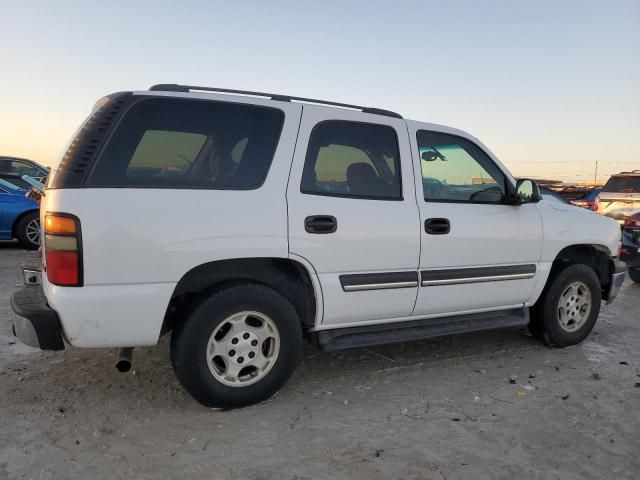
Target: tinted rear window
[[623, 184], [180, 143]]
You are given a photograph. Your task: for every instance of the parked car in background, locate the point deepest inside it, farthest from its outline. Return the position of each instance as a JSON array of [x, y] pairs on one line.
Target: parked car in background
[[630, 251], [620, 196], [573, 193], [12, 169], [589, 200], [19, 216]]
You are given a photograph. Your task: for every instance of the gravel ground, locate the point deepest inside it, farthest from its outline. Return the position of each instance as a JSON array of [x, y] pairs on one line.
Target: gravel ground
[[488, 405]]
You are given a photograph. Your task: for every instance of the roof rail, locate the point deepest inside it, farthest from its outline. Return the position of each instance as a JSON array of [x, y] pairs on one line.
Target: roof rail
[[172, 87]]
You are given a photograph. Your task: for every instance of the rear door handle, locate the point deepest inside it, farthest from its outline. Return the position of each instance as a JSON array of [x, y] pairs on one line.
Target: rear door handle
[[437, 226], [320, 224]]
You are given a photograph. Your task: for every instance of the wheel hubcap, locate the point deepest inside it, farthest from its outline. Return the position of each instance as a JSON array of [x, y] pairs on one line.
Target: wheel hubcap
[[33, 231], [574, 306], [243, 349]]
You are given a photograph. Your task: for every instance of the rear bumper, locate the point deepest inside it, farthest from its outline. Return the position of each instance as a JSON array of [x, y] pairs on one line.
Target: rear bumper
[[38, 325], [618, 274], [110, 316]]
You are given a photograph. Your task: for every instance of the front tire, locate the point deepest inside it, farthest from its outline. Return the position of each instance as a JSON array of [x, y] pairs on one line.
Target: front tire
[[238, 347], [634, 274], [568, 308], [28, 231]]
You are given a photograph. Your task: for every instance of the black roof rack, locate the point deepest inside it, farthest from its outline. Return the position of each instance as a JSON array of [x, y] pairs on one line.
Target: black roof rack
[[172, 87]]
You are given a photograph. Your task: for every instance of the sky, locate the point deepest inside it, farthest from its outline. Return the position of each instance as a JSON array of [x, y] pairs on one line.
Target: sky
[[551, 87]]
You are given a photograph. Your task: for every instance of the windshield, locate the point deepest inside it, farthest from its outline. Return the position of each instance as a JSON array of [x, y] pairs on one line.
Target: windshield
[[623, 184]]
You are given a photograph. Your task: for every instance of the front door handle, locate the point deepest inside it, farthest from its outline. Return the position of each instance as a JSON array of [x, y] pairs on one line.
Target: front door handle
[[320, 224], [437, 226]]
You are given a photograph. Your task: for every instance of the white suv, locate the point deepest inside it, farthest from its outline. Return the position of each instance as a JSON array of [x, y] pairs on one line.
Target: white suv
[[243, 222]]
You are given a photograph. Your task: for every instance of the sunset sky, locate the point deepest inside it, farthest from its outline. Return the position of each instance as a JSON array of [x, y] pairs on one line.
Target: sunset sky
[[550, 87]]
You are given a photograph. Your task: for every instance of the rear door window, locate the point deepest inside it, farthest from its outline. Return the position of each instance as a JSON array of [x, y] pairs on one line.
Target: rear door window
[[180, 143], [352, 159]]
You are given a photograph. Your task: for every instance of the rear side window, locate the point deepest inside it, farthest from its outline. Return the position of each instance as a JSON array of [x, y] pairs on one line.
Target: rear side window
[[351, 159], [180, 143], [623, 185], [19, 168]]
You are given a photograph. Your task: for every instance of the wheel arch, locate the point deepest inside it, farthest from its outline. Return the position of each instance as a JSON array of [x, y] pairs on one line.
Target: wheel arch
[[18, 218], [287, 276], [596, 256]]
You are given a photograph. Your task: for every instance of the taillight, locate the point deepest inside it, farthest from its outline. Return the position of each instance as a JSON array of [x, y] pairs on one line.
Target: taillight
[[63, 249], [596, 204], [631, 222]]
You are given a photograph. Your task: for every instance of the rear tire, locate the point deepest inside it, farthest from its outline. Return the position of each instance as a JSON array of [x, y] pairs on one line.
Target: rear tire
[[568, 308], [28, 231], [634, 274], [238, 347]]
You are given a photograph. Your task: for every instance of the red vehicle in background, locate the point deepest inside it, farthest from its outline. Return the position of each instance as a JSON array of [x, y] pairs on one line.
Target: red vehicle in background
[[579, 196]]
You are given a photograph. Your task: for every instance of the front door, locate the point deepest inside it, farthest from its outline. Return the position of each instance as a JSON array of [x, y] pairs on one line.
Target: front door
[[478, 253], [353, 213]]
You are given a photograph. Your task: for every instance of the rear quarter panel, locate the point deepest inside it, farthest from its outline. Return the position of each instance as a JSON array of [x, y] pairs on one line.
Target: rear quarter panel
[[138, 242]]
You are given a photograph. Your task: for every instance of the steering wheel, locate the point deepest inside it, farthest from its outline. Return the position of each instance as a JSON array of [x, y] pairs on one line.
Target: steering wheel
[[474, 196], [432, 187]]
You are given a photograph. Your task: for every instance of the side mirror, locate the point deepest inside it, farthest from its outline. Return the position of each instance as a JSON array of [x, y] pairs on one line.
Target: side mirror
[[432, 155], [527, 191], [429, 156]]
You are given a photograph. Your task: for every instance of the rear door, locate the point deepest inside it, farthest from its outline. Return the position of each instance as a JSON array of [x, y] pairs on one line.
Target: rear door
[[478, 253], [353, 213]]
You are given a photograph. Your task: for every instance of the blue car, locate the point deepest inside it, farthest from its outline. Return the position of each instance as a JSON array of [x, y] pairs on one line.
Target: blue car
[[12, 169], [19, 216]]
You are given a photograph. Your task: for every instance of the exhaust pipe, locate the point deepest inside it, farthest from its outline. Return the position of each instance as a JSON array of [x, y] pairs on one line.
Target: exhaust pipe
[[124, 360]]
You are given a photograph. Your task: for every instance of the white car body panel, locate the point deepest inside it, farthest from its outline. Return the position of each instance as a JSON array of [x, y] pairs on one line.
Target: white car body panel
[[566, 225], [482, 235], [125, 315], [372, 235]]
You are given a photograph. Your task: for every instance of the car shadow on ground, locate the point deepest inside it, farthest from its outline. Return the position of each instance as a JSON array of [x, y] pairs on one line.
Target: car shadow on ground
[[76, 375], [10, 245]]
